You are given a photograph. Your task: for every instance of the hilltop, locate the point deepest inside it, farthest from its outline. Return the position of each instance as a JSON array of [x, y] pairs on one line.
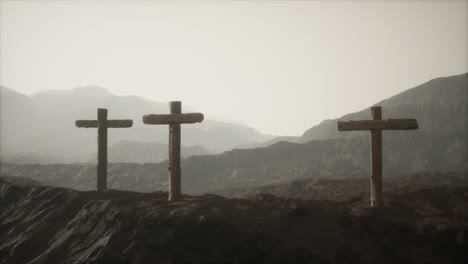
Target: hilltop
[[53, 225]]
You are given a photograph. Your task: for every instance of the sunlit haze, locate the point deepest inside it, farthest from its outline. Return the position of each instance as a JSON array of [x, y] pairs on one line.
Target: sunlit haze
[[278, 66]]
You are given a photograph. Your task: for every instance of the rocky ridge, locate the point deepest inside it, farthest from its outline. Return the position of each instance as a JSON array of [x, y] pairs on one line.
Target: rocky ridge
[[57, 225]]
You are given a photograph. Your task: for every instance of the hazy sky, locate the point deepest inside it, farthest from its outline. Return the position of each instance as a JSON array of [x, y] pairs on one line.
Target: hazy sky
[[279, 66]]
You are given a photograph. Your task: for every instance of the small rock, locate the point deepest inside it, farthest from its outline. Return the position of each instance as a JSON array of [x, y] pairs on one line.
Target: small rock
[[202, 219]]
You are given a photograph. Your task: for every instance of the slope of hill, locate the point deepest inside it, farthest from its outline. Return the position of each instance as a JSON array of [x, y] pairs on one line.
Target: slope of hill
[[440, 106], [42, 126], [15, 126], [254, 167], [55, 225], [145, 152], [19, 180], [349, 190], [439, 145]]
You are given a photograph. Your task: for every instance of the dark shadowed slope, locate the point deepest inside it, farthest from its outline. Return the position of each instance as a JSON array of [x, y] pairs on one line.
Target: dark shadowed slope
[[54, 225], [19, 180]]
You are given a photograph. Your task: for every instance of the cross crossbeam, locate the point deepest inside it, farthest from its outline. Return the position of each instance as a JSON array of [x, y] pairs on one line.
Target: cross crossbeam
[[389, 124], [119, 123], [189, 118], [102, 124], [376, 125], [174, 119]]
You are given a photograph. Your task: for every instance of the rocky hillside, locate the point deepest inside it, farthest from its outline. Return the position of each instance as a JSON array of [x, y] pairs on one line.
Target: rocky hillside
[[19, 180], [56, 225], [122, 176], [283, 162], [145, 152], [238, 168], [349, 190]]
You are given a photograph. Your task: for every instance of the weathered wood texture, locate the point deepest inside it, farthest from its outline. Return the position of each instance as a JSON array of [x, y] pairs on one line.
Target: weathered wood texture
[[119, 123], [376, 125], [176, 118], [175, 188], [102, 124], [376, 160], [389, 124], [86, 123], [102, 150]]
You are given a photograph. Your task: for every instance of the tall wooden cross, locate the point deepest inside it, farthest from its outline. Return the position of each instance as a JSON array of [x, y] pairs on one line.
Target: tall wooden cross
[[376, 125], [174, 119], [102, 124]]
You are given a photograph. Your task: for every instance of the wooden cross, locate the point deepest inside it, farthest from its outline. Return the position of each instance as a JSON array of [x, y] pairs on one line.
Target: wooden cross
[[376, 125], [102, 124], [174, 119]]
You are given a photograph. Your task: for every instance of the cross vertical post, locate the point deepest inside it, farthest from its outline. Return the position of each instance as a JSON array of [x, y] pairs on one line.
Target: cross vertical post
[[102, 150], [376, 125], [174, 154], [102, 124], [376, 159], [174, 119]]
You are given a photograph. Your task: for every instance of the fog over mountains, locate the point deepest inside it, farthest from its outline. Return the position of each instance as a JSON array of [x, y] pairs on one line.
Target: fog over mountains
[[41, 128], [439, 145]]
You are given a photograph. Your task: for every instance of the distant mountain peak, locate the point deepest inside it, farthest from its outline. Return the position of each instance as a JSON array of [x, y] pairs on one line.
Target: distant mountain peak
[[6, 90], [89, 91], [438, 96]]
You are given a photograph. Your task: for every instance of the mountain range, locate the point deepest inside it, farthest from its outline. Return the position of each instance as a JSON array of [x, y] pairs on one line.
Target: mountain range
[[41, 128], [439, 145]]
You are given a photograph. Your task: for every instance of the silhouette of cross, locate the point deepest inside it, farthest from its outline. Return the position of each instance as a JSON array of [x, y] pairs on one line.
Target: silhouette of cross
[[174, 119], [376, 125], [102, 124]]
